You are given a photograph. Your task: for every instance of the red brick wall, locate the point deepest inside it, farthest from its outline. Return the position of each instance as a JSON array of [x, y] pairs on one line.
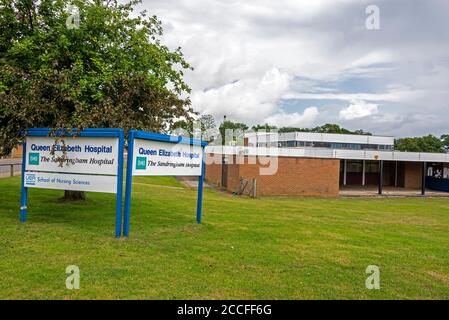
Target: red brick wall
[[233, 177], [17, 152], [294, 176], [213, 171]]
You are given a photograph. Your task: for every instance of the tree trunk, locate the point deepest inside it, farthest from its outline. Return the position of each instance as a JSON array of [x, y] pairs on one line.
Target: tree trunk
[[74, 195]]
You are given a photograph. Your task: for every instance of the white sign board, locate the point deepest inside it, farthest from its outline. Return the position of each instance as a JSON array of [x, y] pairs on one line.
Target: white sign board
[[87, 155], [91, 163], [156, 158], [64, 181]]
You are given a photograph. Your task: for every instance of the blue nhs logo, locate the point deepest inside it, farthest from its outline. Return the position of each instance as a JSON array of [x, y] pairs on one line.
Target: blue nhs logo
[[30, 179]]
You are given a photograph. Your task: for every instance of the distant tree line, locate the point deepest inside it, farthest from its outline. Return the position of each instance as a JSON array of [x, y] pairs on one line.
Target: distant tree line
[[206, 123], [327, 128], [429, 143]]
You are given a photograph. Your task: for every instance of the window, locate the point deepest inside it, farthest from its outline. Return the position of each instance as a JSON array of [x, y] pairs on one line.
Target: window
[[371, 166], [354, 166], [336, 146], [322, 145]]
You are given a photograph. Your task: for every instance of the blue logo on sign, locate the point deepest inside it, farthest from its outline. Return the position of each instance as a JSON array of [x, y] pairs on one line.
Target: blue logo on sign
[[30, 179]]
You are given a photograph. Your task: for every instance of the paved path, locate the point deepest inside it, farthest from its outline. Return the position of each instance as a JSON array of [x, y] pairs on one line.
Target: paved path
[[191, 182], [388, 192]]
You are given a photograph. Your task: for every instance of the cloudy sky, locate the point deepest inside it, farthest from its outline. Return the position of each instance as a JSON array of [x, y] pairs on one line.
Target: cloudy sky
[[306, 63]]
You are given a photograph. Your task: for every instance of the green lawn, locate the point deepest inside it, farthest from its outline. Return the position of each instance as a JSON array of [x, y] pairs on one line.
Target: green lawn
[[287, 248]]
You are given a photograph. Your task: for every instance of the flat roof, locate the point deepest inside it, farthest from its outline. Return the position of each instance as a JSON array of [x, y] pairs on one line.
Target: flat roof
[[323, 153], [320, 137]]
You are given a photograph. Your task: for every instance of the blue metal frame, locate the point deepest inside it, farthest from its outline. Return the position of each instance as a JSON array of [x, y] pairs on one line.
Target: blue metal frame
[[129, 182], [24, 191], [88, 132], [166, 138], [119, 197], [136, 134], [199, 201]]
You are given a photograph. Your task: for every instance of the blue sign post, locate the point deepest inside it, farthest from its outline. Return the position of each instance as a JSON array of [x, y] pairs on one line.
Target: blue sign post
[[94, 163], [153, 154]]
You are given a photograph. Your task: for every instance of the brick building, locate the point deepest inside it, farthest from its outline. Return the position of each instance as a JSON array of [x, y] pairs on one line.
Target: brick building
[[322, 171]]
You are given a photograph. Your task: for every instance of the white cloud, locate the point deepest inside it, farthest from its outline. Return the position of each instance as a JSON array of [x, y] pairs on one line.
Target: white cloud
[[295, 119], [358, 109], [372, 58], [327, 53], [250, 99], [398, 94]]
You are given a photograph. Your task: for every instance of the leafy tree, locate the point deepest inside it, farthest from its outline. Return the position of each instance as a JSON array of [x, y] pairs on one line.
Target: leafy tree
[[331, 128], [427, 143], [406, 144], [229, 125], [182, 127], [208, 127], [266, 127], [362, 132], [111, 71], [327, 128], [292, 129], [445, 140], [206, 124]]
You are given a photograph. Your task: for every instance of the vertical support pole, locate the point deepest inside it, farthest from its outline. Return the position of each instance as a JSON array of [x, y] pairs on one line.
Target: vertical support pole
[[119, 195], [363, 173], [424, 174], [24, 193], [254, 188], [223, 143], [12, 170], [223, 161], [129, 182], [199, 202], [345, 171], [396, 175], [381, 176]]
